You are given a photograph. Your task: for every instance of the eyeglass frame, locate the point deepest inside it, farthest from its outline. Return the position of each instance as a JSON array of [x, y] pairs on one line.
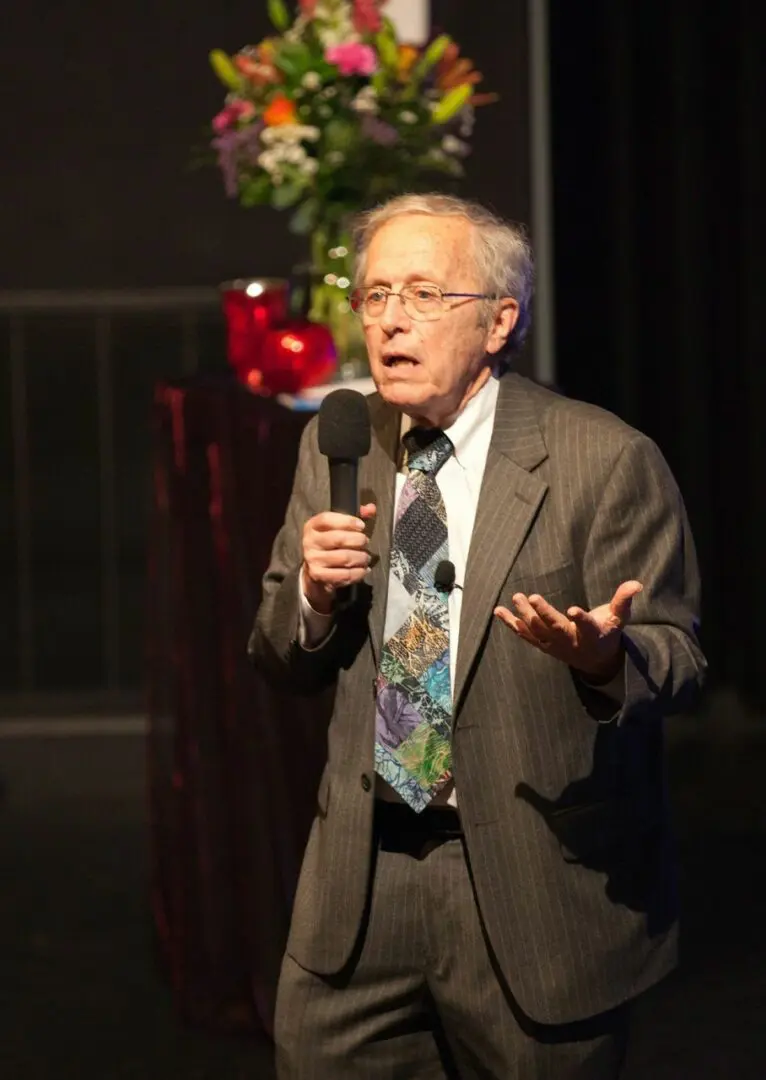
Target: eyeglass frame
[[444, 296]]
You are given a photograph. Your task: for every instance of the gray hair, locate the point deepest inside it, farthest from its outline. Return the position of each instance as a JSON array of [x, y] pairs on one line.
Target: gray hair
[[502, 253]]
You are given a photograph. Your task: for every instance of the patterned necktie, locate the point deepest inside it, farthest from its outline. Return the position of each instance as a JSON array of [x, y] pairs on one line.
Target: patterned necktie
[[414, 696]]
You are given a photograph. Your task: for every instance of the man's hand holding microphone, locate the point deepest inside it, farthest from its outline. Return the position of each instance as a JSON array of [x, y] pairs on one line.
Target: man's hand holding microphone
[[335, 555], [335, 545]]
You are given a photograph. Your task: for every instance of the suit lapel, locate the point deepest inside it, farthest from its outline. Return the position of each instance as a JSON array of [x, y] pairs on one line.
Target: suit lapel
[[377, 482], [510, 498]]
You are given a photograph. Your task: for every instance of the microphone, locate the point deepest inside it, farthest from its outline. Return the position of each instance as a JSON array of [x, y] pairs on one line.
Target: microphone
[[344, 437], [444, 576]]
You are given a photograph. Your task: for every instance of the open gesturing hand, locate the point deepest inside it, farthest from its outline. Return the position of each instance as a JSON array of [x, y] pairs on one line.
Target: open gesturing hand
[[588, 641]]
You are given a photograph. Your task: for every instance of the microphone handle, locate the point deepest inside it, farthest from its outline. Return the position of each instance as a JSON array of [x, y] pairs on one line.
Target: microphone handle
[[344, 499]]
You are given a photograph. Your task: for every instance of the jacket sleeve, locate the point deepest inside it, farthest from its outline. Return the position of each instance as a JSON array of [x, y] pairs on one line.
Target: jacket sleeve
[[274, 645], [640, 531]]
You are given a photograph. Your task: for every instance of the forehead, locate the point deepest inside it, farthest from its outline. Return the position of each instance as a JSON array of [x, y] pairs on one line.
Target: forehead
[[420, 245]]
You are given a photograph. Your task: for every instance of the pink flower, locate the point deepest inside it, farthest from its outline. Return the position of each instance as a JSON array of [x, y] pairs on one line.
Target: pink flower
[[307, 7], [230, 116], [366, 17], [353, 58]]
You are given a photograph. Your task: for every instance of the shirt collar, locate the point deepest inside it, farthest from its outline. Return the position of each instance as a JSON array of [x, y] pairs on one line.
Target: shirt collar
[[471, 432]]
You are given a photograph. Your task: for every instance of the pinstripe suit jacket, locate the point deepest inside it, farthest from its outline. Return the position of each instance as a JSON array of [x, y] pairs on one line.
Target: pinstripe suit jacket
[[562, 793]]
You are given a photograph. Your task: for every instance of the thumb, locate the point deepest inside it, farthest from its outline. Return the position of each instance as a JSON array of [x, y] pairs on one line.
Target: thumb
[[622, 601]]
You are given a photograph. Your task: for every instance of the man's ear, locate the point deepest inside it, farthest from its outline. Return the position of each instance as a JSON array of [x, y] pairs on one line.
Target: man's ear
[[506, 318]]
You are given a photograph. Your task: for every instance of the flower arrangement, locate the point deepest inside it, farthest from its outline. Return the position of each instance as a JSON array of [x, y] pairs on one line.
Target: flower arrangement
[[333, 113]]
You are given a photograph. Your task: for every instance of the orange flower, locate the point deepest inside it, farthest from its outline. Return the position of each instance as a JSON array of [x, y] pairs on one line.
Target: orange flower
[[281, 110], [454, 70], [257, 64], [408, 54]]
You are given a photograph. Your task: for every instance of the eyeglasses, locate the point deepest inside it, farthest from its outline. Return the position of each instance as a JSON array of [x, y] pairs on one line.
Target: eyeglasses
[[423, 302]]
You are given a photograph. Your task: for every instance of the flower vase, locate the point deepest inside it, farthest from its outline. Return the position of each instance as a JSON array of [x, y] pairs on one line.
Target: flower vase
[[331, 281]]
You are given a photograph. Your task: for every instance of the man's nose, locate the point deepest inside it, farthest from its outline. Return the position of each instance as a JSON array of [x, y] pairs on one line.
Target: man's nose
[[394, 316]]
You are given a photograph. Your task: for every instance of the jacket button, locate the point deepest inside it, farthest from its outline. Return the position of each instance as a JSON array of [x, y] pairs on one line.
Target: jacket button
[[366, 782]]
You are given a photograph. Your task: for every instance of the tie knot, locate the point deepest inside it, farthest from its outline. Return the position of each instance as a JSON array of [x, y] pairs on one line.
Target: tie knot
[[427, 449]]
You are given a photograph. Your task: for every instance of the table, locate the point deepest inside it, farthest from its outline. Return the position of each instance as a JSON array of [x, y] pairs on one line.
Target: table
[[233, 765]]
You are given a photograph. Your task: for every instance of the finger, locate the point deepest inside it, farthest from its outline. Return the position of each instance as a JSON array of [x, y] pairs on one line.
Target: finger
[[587, 628], [337, 557], [518, 626], [331, 520], [551, 616], [337, 577], [530, 617], [336, 540], [368, 510], [622, 601], [582, 618]]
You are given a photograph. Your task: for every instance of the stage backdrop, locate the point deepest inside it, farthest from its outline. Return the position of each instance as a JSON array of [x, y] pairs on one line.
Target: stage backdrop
[[659, 173]]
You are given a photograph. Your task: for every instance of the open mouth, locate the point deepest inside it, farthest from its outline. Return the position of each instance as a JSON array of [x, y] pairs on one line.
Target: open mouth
[[399, 361]]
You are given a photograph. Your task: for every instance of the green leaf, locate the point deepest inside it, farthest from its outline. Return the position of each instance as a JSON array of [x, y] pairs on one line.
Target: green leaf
[[225, 70], [431, 56], [451, 104], [387, 46], [256, 191], [295, 59], [279, 15], [286, 194], [305, 217], [339, 134]]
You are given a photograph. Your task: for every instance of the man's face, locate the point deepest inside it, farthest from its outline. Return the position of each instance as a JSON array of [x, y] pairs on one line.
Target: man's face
[[427, 369]]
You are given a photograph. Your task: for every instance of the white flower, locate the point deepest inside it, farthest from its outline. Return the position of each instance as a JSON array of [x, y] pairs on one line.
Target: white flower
[[408, 117], [451, 145], [366, 101], [309, 166], [336, 157], [311, 80], [294, 154], [330, 91], [269, 161], [325, 112], [289, 133]]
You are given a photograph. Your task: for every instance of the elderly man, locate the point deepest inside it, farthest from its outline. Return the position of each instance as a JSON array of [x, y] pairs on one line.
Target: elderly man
[[489, 878]]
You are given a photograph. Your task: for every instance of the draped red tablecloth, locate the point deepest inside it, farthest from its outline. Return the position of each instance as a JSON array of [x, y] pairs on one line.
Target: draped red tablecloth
[[233, 765]]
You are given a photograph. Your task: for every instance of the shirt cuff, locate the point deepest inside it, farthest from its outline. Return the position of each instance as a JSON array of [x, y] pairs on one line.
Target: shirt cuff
[[614, 689], [314, 629]]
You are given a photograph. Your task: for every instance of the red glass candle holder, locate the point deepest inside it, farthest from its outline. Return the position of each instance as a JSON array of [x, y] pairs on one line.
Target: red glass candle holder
[[251, 307], [273, 350]]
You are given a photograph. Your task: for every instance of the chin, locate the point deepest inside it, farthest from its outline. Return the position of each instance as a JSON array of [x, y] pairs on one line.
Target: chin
[[404, 396]]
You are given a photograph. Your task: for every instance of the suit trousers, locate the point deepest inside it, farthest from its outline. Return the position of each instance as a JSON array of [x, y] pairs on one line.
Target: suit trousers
[[422, 998]]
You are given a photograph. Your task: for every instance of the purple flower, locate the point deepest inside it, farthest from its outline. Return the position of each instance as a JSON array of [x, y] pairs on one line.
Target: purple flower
[[379, 131], [233, 147]]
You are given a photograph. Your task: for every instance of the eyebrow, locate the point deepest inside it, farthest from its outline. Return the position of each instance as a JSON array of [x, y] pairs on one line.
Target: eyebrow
[[411, 279]]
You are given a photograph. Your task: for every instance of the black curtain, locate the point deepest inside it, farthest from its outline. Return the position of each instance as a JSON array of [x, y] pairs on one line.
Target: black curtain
[[658, 191]]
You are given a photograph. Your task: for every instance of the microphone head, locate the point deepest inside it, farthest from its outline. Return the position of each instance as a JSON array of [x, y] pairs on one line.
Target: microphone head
[[444, 576], [344, 425]]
